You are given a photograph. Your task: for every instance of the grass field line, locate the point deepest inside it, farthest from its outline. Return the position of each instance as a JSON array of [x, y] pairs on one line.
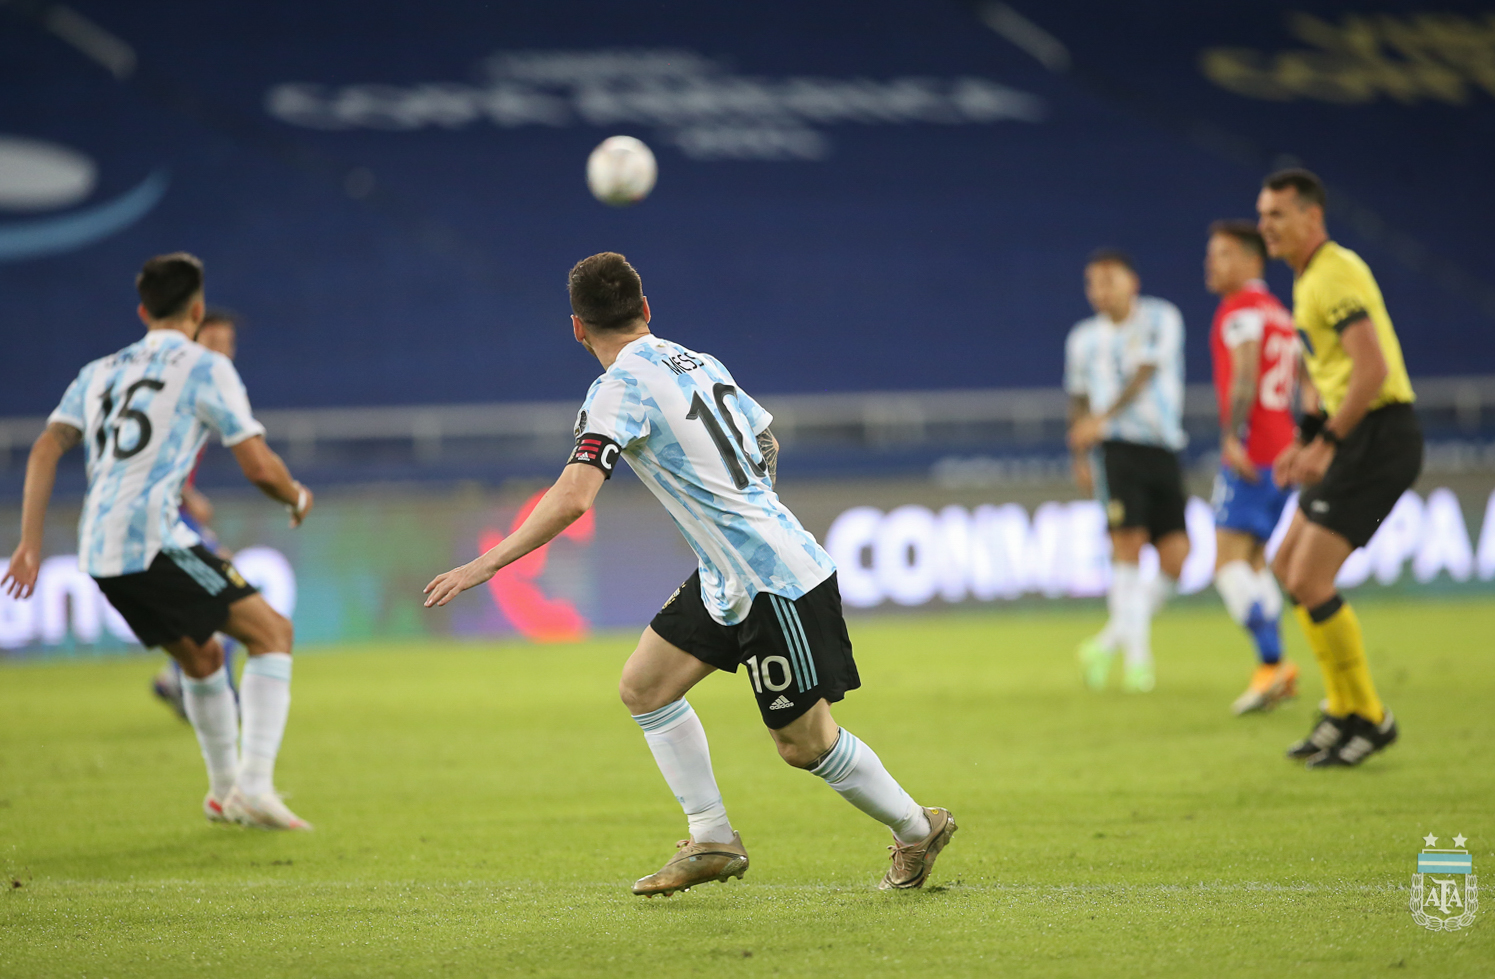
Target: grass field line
[[1218, 887]]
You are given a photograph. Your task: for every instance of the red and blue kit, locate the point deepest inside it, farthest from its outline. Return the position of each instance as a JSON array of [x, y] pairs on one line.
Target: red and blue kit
[[1254, 314]]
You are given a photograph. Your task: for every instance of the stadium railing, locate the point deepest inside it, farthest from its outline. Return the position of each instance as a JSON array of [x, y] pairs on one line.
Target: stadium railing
[[1019, 429]]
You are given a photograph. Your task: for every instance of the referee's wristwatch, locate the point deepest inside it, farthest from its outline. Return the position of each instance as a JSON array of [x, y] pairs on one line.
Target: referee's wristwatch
[[1327, 434]]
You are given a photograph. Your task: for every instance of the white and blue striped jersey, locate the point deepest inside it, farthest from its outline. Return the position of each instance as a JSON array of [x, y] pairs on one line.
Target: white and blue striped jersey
[[689, 432], [1101, 356], [145, 413]]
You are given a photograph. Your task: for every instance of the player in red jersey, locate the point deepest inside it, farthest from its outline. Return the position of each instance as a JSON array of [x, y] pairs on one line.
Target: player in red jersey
[[1255, 351]]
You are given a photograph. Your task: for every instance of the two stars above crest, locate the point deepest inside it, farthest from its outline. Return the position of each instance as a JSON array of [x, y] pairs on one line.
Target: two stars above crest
[[1458, 841]]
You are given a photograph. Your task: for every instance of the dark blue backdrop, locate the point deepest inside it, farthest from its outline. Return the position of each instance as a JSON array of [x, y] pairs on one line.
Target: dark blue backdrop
[[922, 228]]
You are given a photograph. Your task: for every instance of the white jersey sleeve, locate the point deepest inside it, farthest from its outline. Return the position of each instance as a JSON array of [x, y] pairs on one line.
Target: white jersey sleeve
[[612, 418], [1075, 362], [1243, 326], [222, 404], [753, 413], [70, 411], [1158, 335]]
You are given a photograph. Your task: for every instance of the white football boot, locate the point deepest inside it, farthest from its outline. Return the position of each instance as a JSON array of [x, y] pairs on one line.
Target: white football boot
[[213, 809], [264, 811]]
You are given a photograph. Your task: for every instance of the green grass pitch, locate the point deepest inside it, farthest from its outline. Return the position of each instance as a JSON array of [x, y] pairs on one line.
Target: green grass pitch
[[481, 810]]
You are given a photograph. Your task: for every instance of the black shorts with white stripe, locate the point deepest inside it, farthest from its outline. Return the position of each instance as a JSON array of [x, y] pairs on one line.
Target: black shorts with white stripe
[[796, 651], [183, 594]]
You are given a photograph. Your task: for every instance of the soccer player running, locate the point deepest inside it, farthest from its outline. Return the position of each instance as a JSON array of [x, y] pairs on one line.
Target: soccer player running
[[142, 415], [1354, 458], [765, 594], [1125, 377], [1255, 352], [219, 333]]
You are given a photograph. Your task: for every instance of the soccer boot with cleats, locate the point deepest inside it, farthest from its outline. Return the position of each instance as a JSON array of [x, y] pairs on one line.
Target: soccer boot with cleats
[[1095, 662], [695, 863], [213, 809], [1327, 731], [1271, 684], [1362, 738], [913, 861], [1138, 678], [263, 811]]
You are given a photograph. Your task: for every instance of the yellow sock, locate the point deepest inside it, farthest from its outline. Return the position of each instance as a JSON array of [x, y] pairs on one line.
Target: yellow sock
[[1334, 688], [1346, 647]]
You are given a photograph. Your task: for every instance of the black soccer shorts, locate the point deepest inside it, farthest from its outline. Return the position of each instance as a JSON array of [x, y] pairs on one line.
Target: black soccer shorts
[[1141, 486], [1375, 465], [796, 651], [183, 594]]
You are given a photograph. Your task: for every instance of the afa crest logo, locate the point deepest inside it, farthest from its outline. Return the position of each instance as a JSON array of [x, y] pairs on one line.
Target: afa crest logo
[[1445, 892]]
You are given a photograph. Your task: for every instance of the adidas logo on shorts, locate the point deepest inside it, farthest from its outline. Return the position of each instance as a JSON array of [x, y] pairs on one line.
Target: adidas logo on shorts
[[781, 703]]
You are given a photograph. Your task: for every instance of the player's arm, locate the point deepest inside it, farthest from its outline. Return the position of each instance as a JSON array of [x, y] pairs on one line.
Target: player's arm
[[1368, 372], [41, 474], [562, 505], [1079, 463], [1089, 429], [1310, 420], [1245, 370], [197, 504], [268, 471], [769, 446]]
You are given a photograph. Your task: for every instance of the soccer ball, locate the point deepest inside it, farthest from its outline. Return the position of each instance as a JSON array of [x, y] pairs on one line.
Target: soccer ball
[[621, 171]]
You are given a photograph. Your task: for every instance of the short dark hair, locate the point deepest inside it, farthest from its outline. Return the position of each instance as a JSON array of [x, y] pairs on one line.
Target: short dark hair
[[219, 316], [1111, 256], [1243, 231], [606, 293], [1309, 187], [168, 283]]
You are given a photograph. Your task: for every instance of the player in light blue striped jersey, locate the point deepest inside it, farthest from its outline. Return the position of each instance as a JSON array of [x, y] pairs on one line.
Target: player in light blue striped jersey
[[143, 414], [1124, 371], [764, 595]]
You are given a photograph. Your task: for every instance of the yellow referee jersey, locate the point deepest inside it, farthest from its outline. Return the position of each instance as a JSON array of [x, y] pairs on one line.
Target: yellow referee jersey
[[1335, 290]]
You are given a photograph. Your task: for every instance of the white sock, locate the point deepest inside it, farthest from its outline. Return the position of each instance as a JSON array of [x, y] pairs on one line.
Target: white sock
[[215, 717], [1239, 588], [675, 735], [1134, 602], [855, 771], [1124, 582], [1269, 593], [265, 695], [1162, 588]]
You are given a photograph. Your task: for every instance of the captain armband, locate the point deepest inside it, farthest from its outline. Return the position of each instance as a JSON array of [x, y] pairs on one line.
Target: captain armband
[[597, 451]]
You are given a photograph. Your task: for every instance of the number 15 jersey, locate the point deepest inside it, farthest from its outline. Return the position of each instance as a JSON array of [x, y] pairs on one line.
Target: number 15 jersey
[[689, 433], [145, 413]]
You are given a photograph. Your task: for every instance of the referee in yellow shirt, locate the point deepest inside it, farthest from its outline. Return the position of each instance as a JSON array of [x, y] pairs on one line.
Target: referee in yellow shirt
[[1359, 447]]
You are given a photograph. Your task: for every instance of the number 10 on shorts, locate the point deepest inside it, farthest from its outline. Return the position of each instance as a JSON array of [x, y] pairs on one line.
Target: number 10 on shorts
[[769, 675]]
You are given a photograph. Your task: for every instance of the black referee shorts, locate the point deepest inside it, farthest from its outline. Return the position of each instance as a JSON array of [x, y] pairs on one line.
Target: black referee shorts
[[796, 651], [1141, 486], [183, 594], [1372, 468]]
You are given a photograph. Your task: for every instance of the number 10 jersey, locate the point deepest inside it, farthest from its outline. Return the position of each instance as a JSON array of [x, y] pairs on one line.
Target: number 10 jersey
[[689, 433], [145, 413]]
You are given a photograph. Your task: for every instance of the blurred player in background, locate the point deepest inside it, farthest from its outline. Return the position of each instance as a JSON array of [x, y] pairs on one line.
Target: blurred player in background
[[142, 415], [765, 595], [1255, 352], [1354, 458], [219, 333], [1124, 371]]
